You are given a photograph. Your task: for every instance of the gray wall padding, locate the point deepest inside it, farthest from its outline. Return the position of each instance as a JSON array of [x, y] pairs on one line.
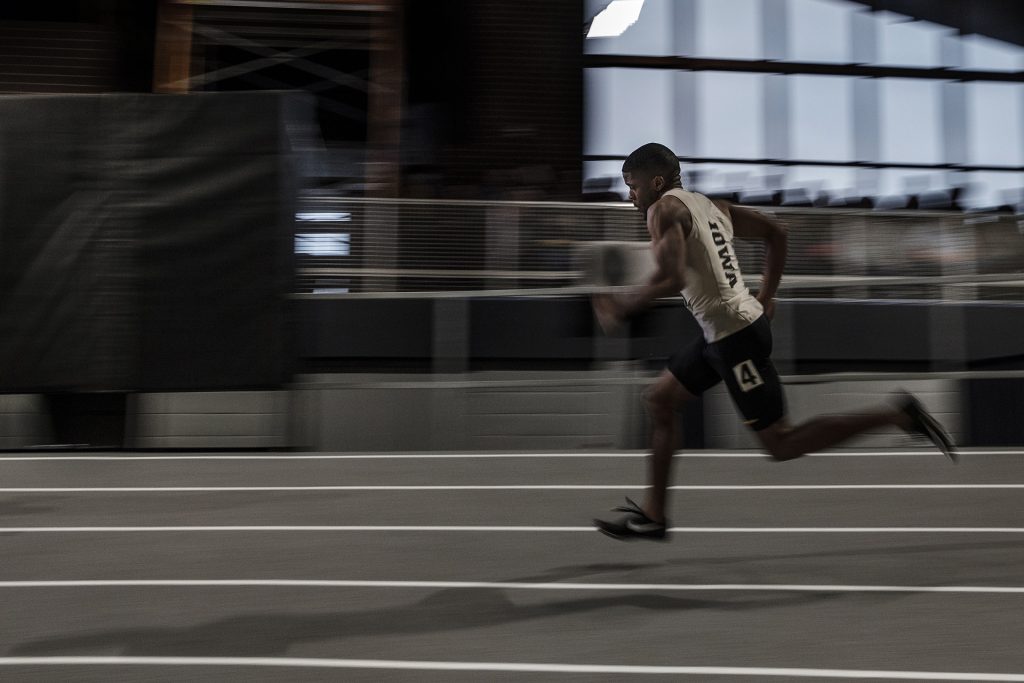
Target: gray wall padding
[[145, 242]]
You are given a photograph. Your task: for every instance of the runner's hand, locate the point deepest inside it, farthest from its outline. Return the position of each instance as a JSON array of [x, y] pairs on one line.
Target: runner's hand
[[608, 312]]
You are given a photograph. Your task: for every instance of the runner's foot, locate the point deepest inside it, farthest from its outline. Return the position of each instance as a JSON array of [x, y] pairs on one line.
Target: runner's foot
[[923, 424], [635, 525]]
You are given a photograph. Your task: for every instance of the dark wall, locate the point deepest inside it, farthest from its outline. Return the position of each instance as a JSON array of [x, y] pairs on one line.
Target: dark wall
[[132, 24], [992, 411], [814, 336], [147, 242], [498, 87]]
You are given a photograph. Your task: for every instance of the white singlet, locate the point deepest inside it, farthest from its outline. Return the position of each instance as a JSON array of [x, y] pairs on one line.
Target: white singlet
[[714, 290]]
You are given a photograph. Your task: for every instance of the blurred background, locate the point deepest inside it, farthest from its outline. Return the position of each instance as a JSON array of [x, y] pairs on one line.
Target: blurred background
[[374, 224]]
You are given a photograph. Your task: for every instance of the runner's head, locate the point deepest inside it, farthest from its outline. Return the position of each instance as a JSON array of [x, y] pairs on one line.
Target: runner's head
[[649, 172]]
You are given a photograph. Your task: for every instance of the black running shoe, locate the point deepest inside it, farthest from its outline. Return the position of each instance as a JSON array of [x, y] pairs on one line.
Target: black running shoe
[[635, 525], [923, 424]]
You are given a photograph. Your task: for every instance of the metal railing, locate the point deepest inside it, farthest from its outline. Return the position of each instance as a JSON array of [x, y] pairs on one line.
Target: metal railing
[[415, 247]]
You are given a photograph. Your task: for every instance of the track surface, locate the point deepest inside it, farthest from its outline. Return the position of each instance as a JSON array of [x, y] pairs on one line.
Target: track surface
[[252, 567]]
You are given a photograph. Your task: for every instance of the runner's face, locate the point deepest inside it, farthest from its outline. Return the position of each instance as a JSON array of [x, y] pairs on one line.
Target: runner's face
[[643, 189]]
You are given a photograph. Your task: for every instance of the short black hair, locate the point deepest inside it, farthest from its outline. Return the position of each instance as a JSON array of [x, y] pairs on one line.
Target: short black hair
[[653, 158]]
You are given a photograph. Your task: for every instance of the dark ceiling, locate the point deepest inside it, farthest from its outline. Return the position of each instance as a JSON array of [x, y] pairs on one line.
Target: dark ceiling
[[1000, 19]]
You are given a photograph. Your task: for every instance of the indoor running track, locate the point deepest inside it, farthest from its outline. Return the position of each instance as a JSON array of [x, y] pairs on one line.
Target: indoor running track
[[854, 565]]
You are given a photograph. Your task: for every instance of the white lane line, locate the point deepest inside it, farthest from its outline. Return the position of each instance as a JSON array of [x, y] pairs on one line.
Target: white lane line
[[521, 529], [335, 456], [510, 487], [481, 456], [411, 665], [507, 585]]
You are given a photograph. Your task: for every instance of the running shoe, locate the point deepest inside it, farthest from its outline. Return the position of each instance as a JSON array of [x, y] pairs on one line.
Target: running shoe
[[923, 424], [635, 525]]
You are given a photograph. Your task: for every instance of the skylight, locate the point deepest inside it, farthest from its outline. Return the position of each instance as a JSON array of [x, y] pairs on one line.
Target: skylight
[[614, 19]]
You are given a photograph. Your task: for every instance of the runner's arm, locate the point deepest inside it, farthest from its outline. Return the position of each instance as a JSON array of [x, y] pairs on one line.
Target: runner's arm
[[750, 224], [669, 249]]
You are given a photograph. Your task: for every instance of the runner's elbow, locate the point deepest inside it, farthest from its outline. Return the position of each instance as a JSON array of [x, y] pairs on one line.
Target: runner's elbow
[[673, 286], [678, 280], [778, 233]]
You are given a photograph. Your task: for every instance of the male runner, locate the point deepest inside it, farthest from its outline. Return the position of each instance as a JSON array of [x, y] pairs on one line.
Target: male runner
[[691, 237]]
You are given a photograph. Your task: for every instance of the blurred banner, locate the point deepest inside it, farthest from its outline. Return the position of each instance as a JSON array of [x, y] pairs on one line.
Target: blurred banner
[[145, 241]]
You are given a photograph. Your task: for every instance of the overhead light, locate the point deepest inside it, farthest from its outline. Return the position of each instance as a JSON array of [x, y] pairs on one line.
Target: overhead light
[[323, 243], [614, 19], [324, 216]]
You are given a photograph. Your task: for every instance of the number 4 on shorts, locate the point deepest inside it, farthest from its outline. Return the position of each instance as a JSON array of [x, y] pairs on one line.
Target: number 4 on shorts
[[747, 375]]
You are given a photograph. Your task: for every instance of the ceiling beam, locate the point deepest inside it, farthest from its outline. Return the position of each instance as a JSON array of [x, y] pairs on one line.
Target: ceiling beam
[[999, 19]]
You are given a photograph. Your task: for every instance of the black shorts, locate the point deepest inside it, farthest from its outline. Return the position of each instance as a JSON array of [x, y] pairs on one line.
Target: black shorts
[[743, 360]]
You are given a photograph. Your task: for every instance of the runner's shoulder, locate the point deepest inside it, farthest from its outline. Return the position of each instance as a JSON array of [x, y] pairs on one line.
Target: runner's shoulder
[[670, 210]]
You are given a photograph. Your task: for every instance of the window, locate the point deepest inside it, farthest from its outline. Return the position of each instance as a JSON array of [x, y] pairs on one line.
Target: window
[[730, 118], [821, 118], [910, 118], [604, 177], [819, 30], [992, 55], [729, 29], [744, 117], [627, 108], [905, 182], [835, 181], [989, 190], [995, 132], [724, 178], [905, 42]]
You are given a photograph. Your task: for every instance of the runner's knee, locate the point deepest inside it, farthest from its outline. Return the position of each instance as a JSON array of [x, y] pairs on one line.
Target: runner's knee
[[663, 400], [660, 405]]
